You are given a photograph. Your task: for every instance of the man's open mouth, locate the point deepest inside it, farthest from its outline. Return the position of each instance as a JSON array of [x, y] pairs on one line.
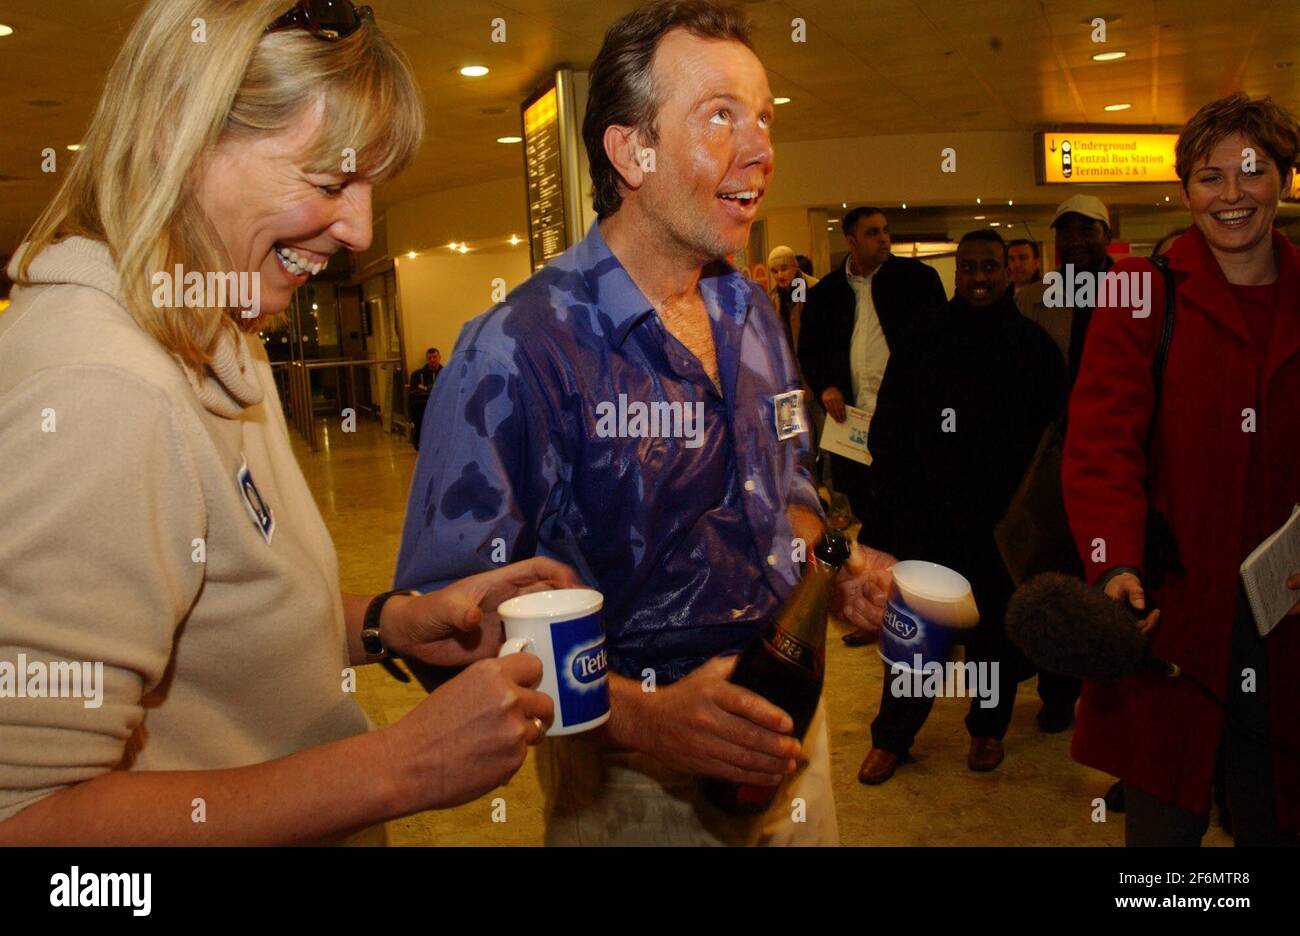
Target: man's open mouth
[[745, 198]]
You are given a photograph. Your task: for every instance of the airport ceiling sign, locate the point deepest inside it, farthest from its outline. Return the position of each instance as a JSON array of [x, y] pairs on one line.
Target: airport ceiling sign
[[1111, 157]]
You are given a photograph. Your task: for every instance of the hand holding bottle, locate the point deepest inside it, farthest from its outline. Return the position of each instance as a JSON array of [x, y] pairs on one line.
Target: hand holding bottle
[[707, 726]]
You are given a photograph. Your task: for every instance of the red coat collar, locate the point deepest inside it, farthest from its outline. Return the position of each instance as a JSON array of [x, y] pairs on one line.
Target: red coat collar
[[1201, 283]]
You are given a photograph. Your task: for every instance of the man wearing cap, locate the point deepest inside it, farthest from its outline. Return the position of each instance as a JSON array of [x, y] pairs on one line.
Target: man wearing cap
[[1082, 226]]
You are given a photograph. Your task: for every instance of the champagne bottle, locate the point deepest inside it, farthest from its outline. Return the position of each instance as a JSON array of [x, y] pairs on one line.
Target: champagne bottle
[[786, 664]]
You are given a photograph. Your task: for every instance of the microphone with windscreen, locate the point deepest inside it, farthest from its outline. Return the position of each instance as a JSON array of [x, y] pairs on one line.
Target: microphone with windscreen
[[1063, 626]]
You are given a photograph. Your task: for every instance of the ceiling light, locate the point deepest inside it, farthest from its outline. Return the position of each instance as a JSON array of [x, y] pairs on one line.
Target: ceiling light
[[6, 30], [980, 217], [513, 240], [844, 204], [411, 255], [452, 246], [904, 206], [463, 248], [1108, 56], [314, 307], [1118, 107], [74, 147], [474, 71], [510, 139], [781, 100], [1010, 203], [995, 224]]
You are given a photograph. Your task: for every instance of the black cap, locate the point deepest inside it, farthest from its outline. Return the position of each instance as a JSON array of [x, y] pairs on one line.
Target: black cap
[[832, 549]]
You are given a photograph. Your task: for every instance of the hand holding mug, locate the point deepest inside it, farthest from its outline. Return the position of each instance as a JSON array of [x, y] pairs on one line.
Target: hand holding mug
[[459, 624]]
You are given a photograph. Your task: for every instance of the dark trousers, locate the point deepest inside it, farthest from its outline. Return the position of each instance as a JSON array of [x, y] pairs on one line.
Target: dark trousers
[[853, 480], [416, 404], [900, 718], [1055, 689], [1246, 765]]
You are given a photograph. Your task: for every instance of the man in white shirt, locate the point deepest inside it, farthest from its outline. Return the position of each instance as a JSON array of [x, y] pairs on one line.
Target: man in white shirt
[[852, 317]]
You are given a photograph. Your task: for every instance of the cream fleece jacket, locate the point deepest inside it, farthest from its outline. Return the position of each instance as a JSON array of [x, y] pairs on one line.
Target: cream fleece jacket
[[125, 539]]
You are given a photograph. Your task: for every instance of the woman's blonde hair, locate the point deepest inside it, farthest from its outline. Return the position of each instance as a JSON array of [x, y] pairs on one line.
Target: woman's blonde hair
[[192, 73]]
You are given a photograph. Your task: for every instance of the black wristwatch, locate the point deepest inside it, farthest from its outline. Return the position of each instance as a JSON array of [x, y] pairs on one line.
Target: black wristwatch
[[371, 642]]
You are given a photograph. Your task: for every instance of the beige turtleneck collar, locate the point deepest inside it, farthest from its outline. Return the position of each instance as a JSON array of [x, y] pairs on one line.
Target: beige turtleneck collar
[[226, 387]]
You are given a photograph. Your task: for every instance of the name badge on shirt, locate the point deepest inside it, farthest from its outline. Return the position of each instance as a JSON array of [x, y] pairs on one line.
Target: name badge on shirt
[[789, 414], [258, 509]]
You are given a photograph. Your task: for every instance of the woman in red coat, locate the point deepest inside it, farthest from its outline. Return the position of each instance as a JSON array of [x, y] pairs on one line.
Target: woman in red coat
[[1224, 471]]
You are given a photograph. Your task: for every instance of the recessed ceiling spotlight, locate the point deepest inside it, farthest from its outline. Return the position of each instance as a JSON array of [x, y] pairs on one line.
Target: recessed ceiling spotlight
[[514, 240], [904, 206], [980, 217], [474, 71], [510, 139], [1108, 56], [74, 147], [781, 100], [995, 224], [411, 255], [464, 248], [1118, 107], [6, 30]]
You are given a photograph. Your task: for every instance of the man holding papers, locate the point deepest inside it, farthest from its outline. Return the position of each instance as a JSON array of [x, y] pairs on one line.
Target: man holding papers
[[854, 315]]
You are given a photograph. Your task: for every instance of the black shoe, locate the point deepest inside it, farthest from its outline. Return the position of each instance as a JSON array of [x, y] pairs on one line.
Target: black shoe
[[1053, 717], [1115, 797]]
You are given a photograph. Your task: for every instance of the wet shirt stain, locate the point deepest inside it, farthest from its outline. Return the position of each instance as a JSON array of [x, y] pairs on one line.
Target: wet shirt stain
[[531, 446]]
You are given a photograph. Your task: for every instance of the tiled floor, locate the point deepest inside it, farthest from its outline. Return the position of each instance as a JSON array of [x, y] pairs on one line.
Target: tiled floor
[[1037, 797]]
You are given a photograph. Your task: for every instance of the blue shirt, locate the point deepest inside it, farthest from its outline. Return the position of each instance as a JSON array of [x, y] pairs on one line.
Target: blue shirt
[[561, 428]]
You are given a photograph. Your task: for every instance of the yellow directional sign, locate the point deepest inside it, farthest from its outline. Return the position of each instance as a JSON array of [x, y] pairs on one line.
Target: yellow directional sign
[[1082, 157]]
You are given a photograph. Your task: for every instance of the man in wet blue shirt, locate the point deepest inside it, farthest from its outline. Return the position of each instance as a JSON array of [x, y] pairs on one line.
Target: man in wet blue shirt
[[629, 410]]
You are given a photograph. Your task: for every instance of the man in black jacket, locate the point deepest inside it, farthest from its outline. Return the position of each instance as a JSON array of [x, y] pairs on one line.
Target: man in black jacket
[[853, 317], [962, 408]]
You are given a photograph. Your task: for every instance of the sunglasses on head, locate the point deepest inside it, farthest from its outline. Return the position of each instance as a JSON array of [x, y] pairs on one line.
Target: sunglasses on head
[[330, 20]]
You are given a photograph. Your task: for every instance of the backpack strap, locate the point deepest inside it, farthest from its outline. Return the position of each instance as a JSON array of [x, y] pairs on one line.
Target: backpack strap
[[1162, 349]]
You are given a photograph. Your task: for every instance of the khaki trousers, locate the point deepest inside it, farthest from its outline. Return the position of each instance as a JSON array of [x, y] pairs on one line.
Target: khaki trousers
[[598, 796]]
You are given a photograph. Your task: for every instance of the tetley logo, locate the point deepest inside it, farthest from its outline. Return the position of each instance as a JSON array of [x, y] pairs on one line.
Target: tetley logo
[[899, 623], [589, 665]]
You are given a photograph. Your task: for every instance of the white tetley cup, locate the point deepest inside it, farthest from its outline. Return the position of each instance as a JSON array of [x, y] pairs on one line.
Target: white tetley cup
[[565, 630]]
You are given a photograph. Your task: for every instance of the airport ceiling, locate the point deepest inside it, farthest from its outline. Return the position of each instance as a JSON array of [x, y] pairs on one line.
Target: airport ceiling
[[867, 67]]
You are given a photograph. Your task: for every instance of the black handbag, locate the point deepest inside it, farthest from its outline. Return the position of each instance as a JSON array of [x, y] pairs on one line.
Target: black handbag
[[1034, 536]]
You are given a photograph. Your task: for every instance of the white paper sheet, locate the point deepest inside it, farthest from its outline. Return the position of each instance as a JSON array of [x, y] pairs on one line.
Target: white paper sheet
[[1265, 571], [848, 438]]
